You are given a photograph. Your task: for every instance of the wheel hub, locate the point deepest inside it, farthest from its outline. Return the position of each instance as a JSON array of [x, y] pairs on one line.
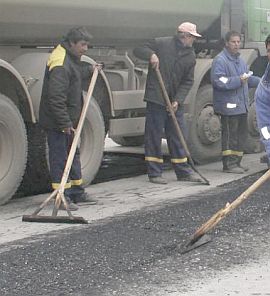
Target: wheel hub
[[209, 127]]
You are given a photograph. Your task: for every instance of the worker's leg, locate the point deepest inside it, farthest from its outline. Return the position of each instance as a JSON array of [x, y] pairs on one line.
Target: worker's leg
[[76, 192], [58, 150], [242, 138], [177, 152], [154, 130], [267, 148], [230, 144], [75, 175]]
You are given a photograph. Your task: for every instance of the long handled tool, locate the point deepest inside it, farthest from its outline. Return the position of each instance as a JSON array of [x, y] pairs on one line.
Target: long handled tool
[[177, 127], [59, 193], [199, 238]]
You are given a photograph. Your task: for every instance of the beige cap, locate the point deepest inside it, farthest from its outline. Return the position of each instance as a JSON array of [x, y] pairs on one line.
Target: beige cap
[[189, 28]]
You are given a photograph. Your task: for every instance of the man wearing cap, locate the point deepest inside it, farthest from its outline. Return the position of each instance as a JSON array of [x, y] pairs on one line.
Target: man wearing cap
[[60, 109], [231, 80], [175, 58]]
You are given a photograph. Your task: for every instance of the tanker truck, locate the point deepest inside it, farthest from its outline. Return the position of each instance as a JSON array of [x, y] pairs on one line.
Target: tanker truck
[[29, 29]]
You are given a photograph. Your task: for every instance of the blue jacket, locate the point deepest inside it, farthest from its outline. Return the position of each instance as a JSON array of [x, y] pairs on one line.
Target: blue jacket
[[230, 95], [262, 103]]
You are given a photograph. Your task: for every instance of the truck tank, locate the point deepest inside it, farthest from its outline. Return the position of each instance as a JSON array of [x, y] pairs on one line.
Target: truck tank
[[112, 23]]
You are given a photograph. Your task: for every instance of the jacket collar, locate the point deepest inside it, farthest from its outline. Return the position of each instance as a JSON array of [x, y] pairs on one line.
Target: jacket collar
[[178, 43], [180, 48], [232, 57], [66, 45]]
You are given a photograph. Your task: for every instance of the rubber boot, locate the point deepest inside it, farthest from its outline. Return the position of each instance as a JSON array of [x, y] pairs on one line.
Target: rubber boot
[[244, 168]]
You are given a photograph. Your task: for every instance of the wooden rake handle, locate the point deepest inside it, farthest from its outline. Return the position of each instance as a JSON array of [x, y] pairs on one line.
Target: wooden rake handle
[[59, 193], [78, 130], [170, 108], [60, 196], [176, 125], [222, 213]]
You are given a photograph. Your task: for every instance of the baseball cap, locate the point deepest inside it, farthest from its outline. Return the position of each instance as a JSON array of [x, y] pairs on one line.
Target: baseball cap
[[189, 28]]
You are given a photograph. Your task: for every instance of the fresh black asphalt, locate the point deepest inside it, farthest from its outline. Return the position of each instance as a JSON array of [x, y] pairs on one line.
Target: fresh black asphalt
[[136, 253]]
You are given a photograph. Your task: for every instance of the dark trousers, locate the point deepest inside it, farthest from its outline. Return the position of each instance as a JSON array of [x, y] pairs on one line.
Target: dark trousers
[[267, 149], [59, 145], [158, 122], [234, 132]]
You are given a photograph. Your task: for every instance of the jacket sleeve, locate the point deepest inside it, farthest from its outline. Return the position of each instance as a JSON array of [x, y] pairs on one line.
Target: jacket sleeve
[[221, 79], [145, 52], [253, 81], [262, 106], [57, 96], [185, 85]]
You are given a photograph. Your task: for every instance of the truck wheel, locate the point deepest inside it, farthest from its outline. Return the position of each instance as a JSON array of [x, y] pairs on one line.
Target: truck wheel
[[204, 130], [92, 142], [253, 143], [36, 178], [13, 148], [129, 141]]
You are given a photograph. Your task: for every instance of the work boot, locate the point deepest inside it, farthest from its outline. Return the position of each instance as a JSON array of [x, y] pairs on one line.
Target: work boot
[[158, 180], [71, 205], [233, 170], [244, 168], [189, 178], [264, 159], [84, 198]]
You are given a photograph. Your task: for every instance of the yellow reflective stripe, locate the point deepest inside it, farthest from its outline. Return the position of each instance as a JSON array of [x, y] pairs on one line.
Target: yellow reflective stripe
[[76, 182], [57, 57], [178, 160], [154, 159], [232, 152], [56, 185]]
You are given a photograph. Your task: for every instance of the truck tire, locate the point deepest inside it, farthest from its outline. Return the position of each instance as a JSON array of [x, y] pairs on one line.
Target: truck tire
[[129, 141], [36, 179], [13, 148], [204, 129], [253, 143], [92, 142]]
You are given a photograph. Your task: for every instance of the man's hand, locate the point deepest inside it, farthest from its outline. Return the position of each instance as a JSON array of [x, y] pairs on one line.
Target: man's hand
[[68, 130], [174, 105], [99, 66], [154, 61], [244, 79]]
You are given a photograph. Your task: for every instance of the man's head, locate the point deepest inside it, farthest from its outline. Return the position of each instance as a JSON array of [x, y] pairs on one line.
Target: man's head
[[187, 33], [233, 42], [267, 45], [78, 39]]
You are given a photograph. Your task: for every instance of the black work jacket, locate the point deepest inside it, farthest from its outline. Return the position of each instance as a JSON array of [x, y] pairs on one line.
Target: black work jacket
[[176, 64], [61, 99]]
